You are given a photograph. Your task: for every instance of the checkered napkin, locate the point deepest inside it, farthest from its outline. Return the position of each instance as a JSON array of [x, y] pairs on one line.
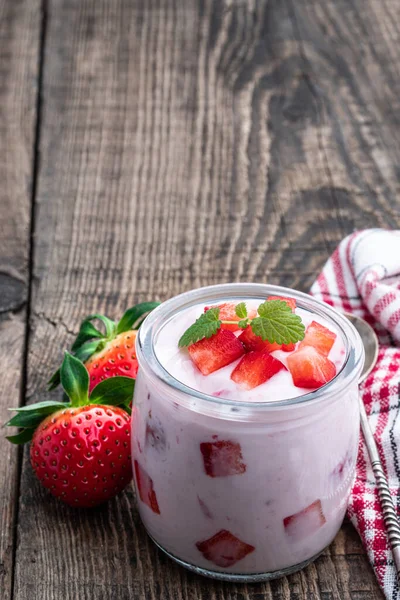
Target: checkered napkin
[[363, 277]]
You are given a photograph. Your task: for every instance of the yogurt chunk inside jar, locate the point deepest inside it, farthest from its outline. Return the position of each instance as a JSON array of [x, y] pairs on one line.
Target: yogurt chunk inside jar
[[235, 483]]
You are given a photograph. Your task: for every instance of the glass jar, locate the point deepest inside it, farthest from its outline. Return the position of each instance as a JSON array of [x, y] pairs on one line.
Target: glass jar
[[294, 459]]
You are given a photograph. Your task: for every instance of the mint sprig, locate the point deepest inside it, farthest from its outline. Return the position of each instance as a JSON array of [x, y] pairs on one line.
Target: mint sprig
[[241, 310], [276, 322], [205, 326]]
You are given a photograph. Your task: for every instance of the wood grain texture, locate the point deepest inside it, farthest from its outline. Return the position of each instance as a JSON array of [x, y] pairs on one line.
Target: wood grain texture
[[19, 46], [189, 143]]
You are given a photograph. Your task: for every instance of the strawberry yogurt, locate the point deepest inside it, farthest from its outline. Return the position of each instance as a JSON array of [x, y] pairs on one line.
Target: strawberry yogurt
[[237, 483]]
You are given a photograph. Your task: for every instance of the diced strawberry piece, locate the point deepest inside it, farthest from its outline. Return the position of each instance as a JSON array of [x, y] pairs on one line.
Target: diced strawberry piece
[[155, 434], [145, 488], [320, 337], [289, 301], [309, 368], [211, 354], [288, 347], [305, 522], [251, 341], [256, 368], [227, 313], [222, 458], [224, 549]]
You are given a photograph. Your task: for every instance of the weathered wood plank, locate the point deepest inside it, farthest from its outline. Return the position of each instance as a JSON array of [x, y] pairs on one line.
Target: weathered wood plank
[[183, 144], [19, 49]]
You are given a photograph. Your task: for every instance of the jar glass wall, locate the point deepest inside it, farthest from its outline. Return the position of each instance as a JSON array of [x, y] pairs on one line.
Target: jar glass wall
[[291, 462]]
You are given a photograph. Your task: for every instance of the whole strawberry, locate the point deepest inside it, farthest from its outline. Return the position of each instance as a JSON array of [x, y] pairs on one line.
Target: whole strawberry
[[112, 352], [80, 450]]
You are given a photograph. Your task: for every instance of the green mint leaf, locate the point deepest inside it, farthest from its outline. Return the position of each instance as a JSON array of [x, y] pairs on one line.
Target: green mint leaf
[[134, 316], [115, 391], [21, 438], [241, 310], [277, 323], [75, 380], [243, 323], [205, 326]]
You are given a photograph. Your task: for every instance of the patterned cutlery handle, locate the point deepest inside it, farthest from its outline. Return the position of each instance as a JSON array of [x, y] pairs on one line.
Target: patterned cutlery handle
[[389, 512]]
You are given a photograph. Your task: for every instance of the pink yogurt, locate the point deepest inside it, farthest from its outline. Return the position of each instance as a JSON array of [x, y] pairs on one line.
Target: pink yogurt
[[234, 484]]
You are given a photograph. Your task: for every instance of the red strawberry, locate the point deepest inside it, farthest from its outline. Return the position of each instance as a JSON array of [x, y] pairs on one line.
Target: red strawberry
[[80, 450], [251, 341], [309, 368], [288, 347], [289, 301], [145, 488], [224, 549], [110, 353], [222, 458], [255, 368], [117, 358], [227, 313], [305, 522], [320, 337], [211, 354]]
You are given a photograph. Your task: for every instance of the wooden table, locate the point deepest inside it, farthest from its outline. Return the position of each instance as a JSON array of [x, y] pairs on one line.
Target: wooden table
[[148, 147]]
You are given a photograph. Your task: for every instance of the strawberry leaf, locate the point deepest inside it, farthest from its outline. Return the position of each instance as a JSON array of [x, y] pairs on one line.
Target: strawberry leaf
[[205, 326], [241, 310], [108, 324], [89, 348], [33, 414], [54, 381], [277, 323], [115, 391], [45, 407], [87, 332], [134, 316], [21, 438], [27, 419], [75, 380]]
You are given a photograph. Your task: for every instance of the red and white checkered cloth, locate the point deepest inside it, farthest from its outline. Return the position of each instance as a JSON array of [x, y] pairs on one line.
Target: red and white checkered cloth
[[363, 277]]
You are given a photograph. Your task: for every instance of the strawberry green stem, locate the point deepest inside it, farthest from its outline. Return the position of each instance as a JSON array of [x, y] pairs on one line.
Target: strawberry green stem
[[75, 380]]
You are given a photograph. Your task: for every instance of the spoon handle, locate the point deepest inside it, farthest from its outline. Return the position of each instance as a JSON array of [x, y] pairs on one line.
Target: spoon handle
[[389, 512]]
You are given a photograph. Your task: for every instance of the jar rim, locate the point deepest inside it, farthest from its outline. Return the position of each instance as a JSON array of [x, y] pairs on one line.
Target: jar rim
[[148, 360]]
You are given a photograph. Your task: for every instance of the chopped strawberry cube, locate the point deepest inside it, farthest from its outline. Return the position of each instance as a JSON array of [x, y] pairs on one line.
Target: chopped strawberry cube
[[305, 522], [155, 434], [145, 488], [251, 341], [211, 354], [320, 337], [289, 301], [288, 347], [224, 549], [256, 368], [222, 458], [309, 368], [227, 313]]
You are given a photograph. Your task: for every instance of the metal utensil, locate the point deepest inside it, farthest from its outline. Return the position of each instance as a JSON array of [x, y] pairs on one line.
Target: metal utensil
[[370, 342]]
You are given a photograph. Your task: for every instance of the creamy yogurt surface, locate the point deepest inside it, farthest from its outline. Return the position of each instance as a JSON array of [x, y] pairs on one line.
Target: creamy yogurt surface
[[280, 387]]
